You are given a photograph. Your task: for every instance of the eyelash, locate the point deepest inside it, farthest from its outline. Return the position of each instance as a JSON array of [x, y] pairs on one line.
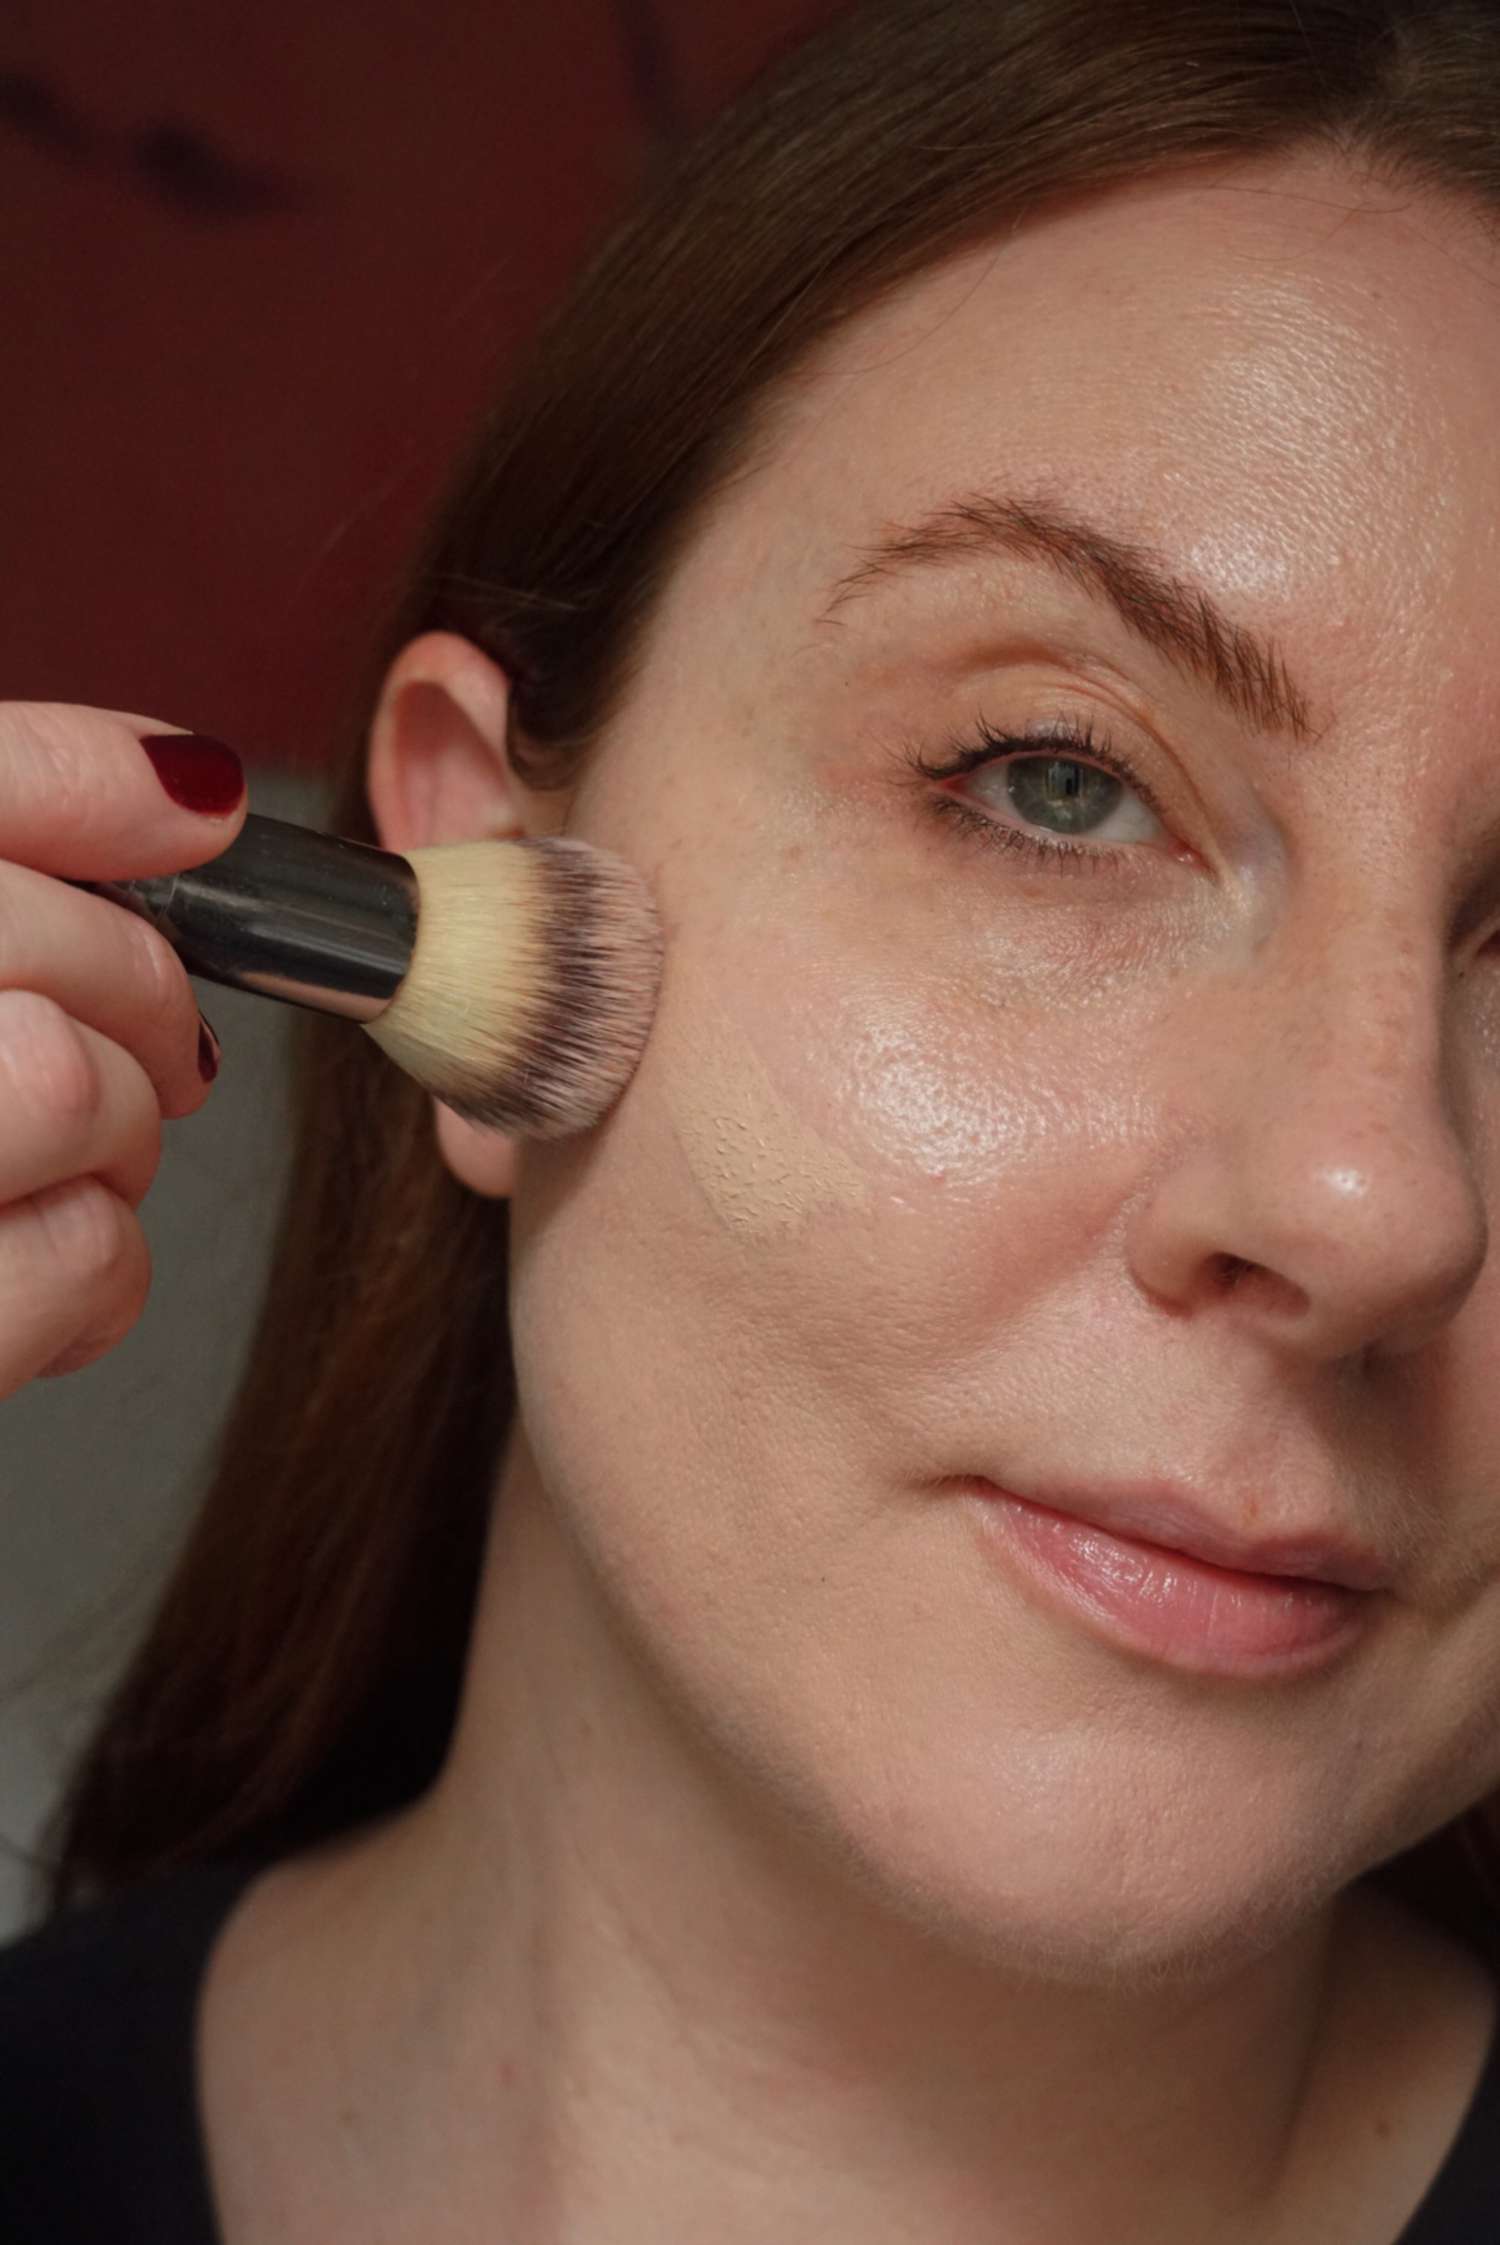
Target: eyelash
[[1066, 737]]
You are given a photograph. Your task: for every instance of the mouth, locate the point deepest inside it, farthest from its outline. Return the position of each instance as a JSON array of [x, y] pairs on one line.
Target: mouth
[[1193, 1604]]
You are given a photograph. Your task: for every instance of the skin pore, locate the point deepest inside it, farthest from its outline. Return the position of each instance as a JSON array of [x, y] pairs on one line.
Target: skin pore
[[760, 1165], [794, 1874]]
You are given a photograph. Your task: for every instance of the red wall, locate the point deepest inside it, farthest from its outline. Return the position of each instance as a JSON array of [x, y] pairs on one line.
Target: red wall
[[259, 267]]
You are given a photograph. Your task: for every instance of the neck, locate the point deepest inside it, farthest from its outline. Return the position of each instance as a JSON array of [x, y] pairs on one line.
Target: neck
[[609, 1979], [598, 1984]]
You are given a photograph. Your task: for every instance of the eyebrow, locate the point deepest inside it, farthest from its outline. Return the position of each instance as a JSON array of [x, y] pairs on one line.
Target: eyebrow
[[1171, 613]]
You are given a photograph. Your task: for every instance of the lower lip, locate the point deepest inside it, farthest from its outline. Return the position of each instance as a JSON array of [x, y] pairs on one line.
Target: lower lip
[[1215, 1621]]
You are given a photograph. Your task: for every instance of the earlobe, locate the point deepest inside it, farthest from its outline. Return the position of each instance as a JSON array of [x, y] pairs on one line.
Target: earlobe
[[484, 1160]]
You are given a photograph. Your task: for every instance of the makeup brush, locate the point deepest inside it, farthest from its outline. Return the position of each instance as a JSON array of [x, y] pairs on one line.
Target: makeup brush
[[514, 979]]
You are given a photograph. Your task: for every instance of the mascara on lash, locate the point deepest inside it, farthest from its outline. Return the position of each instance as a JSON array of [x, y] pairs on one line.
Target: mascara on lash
[[1063, 741]]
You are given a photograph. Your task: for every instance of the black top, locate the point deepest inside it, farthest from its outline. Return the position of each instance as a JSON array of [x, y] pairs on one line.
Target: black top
[[99, 2135]]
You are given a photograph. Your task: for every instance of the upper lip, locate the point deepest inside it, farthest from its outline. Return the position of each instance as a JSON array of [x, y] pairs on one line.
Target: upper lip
[[1161, 1513]]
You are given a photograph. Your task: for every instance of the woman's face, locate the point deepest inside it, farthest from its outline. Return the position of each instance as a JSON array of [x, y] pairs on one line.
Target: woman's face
[[940, 1155]]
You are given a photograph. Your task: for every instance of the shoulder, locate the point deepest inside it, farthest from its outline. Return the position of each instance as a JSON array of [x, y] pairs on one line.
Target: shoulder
[[60, 1990], [135, 1948], [96, 2056]]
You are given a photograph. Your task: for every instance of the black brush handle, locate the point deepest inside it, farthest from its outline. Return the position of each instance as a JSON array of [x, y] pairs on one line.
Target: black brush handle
[[288, 913]]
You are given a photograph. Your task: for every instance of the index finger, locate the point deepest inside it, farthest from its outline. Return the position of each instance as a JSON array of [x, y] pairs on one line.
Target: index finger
[[81, 797]]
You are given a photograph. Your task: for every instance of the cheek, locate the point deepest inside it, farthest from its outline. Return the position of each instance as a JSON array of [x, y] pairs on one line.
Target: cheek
[[835, 1174]]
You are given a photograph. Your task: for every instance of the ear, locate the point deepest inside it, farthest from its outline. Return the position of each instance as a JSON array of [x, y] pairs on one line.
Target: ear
[[438, 771]]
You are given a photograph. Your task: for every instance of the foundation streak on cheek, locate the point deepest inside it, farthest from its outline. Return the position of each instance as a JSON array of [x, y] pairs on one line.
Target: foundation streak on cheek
[[761, 1167]]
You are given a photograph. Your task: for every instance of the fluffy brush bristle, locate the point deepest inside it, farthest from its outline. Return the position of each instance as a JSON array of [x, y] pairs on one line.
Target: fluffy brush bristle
[[532, 983]]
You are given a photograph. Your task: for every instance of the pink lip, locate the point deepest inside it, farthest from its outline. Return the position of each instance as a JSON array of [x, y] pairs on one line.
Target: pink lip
[[1152, 1512], [1187, 1610]]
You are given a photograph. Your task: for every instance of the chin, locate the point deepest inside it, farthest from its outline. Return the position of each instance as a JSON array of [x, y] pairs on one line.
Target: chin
[[1099, 1894], [1083, 1931]]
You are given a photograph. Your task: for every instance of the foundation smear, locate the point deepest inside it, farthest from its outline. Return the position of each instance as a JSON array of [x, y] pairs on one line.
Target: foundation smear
[[760, 1167]]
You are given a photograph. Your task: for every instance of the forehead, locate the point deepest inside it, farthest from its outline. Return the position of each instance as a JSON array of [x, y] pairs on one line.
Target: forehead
[[1282, 375]]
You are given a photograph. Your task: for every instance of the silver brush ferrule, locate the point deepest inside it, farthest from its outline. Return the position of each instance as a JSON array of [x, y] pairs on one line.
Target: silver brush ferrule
[[308, 918]]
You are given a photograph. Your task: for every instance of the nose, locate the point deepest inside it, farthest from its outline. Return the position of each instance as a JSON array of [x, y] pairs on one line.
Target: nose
[[1326, 1179]]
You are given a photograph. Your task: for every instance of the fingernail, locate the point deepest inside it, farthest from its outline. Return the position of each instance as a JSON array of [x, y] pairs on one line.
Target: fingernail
[[209, 1050], [198, 772]]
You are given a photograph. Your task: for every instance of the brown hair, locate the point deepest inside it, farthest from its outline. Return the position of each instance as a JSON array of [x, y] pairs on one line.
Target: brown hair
[[302, 1668]]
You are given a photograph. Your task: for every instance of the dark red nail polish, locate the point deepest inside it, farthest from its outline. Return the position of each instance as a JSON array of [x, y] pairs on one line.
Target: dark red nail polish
[[198, 772], [208, 1051]]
